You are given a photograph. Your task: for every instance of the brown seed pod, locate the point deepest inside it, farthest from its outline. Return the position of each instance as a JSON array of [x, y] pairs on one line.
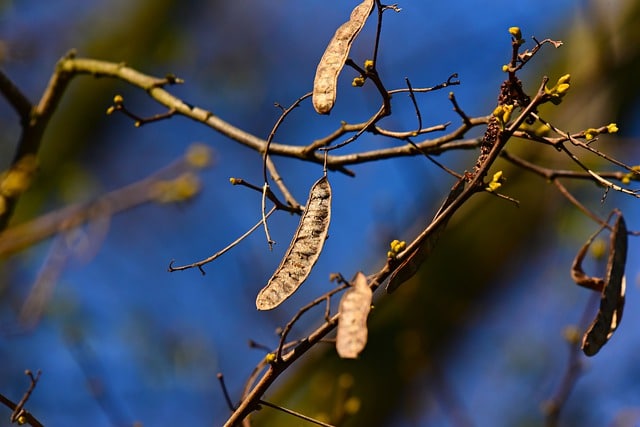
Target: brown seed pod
[[335, 56], [352, 322], [304, 250], [612, 294]]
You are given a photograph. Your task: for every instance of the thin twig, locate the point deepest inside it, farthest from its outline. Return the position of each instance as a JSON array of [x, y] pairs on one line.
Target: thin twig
[[575, 141], [16, 98], [267, 164], [295, 414], [412, 96], [221, 252], [225, 392]]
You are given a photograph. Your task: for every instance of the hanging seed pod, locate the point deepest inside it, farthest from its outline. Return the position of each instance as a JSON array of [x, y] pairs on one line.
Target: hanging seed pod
[[352, 322], [304, 250], [335, 56], [612, 294]]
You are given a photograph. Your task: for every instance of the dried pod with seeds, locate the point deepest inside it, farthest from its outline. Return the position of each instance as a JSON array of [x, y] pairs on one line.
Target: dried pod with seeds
[[352, 322], [304, 250], [612, 292], [335, 56]]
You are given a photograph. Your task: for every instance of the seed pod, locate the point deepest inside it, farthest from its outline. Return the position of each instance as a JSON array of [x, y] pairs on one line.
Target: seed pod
[[304, 250], [335, 56], [612, 295], [352, 322]]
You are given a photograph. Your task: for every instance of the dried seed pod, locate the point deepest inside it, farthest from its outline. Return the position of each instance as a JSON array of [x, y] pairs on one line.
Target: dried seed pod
[[612, 295], [352, 322], [335, 56], [304, 250]]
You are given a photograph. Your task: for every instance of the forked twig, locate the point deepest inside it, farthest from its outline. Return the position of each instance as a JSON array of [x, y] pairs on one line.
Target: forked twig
[[599, 178], [19, 414], [301, 311]]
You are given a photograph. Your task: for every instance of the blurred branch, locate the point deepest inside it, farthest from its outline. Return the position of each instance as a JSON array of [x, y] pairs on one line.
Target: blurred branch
[[154, 187]]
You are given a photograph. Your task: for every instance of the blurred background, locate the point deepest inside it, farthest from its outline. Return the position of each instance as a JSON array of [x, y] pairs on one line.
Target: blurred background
[[475, 339]]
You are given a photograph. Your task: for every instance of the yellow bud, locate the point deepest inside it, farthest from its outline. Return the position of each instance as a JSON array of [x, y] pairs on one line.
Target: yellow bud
[[396, 246], [358, 81], [515, 32], [564, 79], [496, 182], [368, 65], [506, 113], [270, 358], [233, 181], [118, 99], [562, 88], [505, 68], [591, 133], [612, 128], [493, 186], [631, 176], [542, 130], [110, 110]]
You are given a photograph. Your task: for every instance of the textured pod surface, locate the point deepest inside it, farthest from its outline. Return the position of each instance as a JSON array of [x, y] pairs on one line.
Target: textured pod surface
[[613, 293], [335, 56], [352, 322], [304, 250]]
